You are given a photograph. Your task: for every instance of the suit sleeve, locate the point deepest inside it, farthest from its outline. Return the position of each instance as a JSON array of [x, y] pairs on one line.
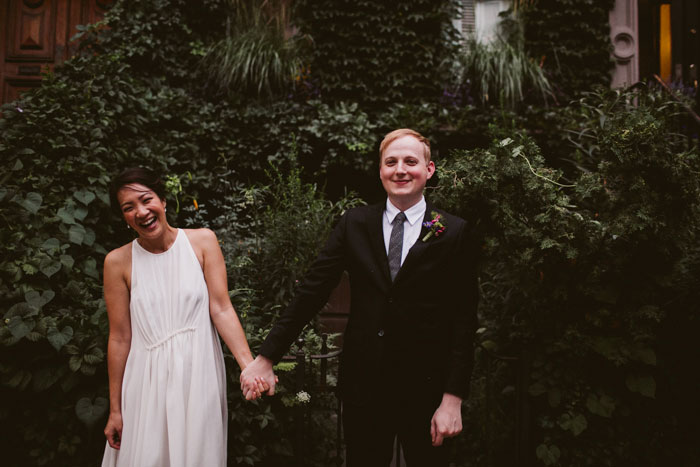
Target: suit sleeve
[[465, 301], [317, 285]]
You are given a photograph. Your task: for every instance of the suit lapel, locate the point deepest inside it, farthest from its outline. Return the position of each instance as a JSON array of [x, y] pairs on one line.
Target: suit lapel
[[419, 247], [375, 232]]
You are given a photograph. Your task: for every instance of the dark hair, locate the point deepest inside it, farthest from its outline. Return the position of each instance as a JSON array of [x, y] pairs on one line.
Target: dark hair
[[139, 175]]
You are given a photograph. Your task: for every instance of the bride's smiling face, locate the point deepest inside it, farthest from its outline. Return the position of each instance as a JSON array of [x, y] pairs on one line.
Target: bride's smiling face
[[142, 209]]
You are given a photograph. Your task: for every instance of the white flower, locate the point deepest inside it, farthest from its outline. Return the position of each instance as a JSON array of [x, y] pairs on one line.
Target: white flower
[[303, 397]]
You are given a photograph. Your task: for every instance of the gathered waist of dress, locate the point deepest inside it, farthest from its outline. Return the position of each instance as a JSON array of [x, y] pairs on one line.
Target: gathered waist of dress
[[165, 339]]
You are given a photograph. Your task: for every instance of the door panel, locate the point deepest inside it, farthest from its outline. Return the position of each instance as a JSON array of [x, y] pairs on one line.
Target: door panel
[[31, 31], [35, 36]]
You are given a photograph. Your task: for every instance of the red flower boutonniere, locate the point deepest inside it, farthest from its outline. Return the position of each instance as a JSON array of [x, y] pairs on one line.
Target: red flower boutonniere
[[435, 225]]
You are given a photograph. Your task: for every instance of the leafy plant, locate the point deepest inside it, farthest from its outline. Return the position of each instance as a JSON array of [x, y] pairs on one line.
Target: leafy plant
[[259, 55], [501, 73], [579, 278], [270, 234]]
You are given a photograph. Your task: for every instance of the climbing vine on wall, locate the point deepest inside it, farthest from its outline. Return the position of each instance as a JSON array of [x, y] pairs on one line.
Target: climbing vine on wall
[[377, 52], [577, 56]]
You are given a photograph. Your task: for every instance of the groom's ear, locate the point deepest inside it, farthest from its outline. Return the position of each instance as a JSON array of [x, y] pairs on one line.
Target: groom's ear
[[431, 168]]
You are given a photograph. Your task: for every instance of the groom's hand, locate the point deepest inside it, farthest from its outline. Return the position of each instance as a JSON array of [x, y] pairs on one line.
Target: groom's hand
[[447, 420], [257, 378]]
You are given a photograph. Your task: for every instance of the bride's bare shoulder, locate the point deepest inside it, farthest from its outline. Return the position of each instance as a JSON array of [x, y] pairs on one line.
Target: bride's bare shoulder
[[201, 237], [119, 257]]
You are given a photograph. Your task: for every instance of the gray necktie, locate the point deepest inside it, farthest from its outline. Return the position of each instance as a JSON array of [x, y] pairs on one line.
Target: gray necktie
[[396, 244]]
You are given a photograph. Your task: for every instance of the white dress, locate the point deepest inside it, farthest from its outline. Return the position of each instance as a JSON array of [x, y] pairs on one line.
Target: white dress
[[174, 388]]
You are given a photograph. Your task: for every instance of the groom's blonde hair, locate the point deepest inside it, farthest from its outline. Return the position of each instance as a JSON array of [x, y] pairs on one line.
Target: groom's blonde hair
[[396, 134]]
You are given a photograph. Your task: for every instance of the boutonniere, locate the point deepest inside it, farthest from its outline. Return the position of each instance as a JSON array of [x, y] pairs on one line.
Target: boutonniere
[[435, 225]]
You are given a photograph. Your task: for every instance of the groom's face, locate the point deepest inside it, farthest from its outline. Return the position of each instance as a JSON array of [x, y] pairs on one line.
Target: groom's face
[[404, 171]]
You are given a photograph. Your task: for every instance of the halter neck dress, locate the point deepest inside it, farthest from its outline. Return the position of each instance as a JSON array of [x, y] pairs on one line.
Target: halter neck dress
[[174, 387]]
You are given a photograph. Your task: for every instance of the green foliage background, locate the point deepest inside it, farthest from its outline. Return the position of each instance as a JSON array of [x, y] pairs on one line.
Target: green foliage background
[[587, 215], [378, 53], [572, 39], [581, 280]]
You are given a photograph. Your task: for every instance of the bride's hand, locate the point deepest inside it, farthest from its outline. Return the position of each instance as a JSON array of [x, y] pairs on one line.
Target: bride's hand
[[113, 430], [258, 378]]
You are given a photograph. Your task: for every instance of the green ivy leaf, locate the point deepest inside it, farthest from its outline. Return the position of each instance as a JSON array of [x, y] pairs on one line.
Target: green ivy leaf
[[20, 327], [23, 309], [59, 338], [549, 455], [29, 268], [45, 378], [94, 356], [38, 300], [76, 234], [49, 266], [32, 202], [90, 413], [84, 196], [90, 268], [75, 362], [67, 261], [96, 133], [66, 215], [603, 406], [80, 213], [89, 237], [643, 384], [20, 379], [576, 424], [3, 192], [51, 245], [645, 355]]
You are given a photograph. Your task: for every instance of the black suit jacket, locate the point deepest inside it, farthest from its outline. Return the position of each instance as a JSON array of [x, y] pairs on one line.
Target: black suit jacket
[[411, 337]]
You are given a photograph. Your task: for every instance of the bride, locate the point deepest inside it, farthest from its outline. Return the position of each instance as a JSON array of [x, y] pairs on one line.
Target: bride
[[167, 296]]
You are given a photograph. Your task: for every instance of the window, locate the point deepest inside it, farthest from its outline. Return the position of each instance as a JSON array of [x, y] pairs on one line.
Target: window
[[480, 17]]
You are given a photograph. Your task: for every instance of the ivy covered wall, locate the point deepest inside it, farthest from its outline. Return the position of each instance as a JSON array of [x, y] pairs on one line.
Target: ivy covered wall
[[577, 56], [377, 52]]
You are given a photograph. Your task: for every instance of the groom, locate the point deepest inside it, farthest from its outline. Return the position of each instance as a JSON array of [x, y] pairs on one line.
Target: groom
[[407, 354]]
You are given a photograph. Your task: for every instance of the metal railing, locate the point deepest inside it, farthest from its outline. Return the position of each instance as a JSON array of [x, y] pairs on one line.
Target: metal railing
[[522, 447], [304, 373], [306, 380]]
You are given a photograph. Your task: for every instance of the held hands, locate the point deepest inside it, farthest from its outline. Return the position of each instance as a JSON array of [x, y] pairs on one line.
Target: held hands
[[113, 430], [258, 378], [447, 420]]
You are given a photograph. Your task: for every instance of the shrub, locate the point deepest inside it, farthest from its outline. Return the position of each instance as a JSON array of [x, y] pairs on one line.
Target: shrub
[[580, 279], [61, 144], [270, 234]]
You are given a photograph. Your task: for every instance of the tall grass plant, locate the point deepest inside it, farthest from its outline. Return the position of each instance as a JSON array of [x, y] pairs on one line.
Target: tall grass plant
[[501, 72], [260, 55]]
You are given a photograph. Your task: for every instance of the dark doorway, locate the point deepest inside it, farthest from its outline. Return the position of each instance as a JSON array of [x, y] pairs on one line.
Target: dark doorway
[[669, 41]]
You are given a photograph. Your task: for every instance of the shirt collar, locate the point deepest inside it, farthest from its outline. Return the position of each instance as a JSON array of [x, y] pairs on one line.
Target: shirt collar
[[413, 214]]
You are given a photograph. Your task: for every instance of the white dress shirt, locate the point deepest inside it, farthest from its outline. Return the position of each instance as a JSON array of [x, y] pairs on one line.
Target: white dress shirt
[[411, 226]]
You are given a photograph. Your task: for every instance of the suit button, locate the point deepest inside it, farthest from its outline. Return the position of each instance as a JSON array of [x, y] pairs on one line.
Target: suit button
[[381, 333]]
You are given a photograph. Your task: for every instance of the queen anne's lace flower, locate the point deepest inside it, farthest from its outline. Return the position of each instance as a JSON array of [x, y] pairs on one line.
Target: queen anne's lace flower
[[303, 397]]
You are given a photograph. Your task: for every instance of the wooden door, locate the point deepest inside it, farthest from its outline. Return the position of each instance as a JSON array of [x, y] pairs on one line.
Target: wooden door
[[35, 36]]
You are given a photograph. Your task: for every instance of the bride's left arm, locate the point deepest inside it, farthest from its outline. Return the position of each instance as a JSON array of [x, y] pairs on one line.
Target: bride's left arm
[[221, 310]]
